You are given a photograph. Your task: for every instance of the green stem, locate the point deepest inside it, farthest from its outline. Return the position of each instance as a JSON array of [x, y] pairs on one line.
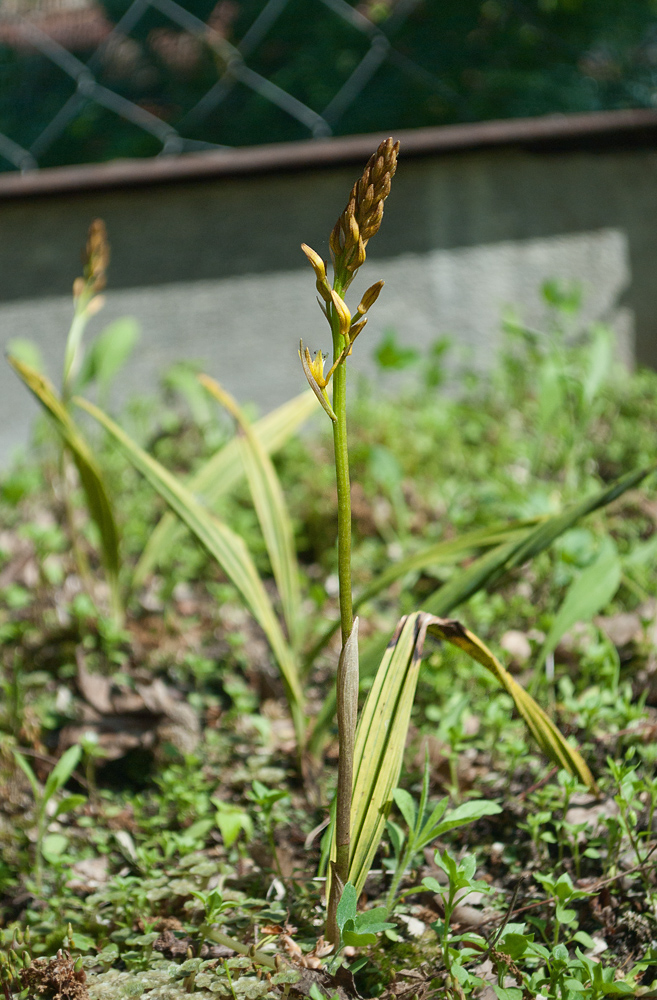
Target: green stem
[[258, 956], [340, 871], [399, 874], [344, 495]]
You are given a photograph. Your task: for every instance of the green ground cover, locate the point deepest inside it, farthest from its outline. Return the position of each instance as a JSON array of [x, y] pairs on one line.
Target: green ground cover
[[168, 735]]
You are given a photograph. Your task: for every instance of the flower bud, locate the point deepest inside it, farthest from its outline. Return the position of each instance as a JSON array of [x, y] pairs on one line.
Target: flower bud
[[342, 312], [316, 261], [319, 267], [370, 297]]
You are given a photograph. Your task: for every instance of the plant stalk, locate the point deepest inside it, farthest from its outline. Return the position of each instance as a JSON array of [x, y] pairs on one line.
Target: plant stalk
[[347, 710], [342, 482]]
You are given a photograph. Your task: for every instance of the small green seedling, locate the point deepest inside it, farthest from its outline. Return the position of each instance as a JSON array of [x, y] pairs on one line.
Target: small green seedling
[[214, 908], [461, 882], [266, 798], [356, 930], [426, 824], [56, 780], [231, 821], [563, 893]]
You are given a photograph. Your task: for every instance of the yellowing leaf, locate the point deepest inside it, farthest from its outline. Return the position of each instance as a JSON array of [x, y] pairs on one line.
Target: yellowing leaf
[[221, 474], [550, 740], [270, 506], [383, 727], [227, 548], [98, 501]]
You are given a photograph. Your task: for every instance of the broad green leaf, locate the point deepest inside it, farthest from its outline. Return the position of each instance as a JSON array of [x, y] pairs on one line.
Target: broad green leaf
[[357, 939], [588, 594], [433, 885], [62, 770], [436, 814], [347, 906], [53, 846], [467, 812], [108, 353], [69, 803], [221, 474], [507, 992], [544, 731], [98, 501], [396, 836], [373, 920], [231, 821], [227, 548], [270, 506], [406, 805]]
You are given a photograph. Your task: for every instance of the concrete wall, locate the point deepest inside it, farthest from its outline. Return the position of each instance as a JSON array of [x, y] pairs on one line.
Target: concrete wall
[[213, 271]]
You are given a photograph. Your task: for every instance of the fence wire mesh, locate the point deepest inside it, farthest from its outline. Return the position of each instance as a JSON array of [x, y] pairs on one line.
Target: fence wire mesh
[[81, 81]]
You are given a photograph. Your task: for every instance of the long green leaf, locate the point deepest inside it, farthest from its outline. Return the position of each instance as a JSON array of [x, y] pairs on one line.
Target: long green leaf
[[98, 501], [544, 731], [589, 593], [221, 474], [489, 568], [486, 571], [441, 553], [227, 548], [271, 509]]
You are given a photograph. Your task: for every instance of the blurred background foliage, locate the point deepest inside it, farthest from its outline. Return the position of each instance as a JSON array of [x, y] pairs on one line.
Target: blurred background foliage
[[395, 65]]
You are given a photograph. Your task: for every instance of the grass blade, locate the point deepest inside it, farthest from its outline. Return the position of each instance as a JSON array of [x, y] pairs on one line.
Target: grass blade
[[98, 501], [544, 731], [221, 474], [589, 593], [271, 509], [444, 552], [489, 568], [227, 548]]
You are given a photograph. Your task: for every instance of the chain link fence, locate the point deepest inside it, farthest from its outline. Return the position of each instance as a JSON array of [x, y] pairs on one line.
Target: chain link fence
[[210, 88]]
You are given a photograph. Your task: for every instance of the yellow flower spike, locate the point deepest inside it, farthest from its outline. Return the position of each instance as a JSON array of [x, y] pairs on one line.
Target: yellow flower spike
[[309, 368], [344, 316], [361, 218], [96, 257]]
